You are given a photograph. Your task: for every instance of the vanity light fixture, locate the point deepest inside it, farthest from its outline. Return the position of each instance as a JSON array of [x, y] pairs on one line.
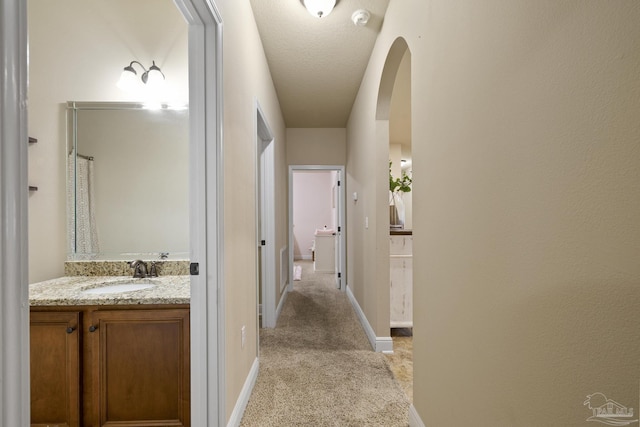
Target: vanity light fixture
[[319, 8], [152, 77]]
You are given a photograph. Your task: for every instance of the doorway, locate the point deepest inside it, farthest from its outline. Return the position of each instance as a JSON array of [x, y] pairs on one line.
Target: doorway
[[265, 218], [205, 63], [394, 123], [316, 220]]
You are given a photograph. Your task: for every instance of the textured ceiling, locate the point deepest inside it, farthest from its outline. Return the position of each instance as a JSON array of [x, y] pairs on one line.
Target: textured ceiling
[[317, 64]]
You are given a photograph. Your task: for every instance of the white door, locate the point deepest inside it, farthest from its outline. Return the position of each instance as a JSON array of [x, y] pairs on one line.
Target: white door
[[338, 228], [265, 190]]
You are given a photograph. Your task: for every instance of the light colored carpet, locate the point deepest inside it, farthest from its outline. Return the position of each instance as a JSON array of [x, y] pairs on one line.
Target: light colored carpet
[[317, 367]]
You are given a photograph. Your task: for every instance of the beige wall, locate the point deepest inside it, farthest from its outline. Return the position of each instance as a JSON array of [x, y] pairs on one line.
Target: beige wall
[[77, 50], [246, 79], [316, 146], [526, 211]]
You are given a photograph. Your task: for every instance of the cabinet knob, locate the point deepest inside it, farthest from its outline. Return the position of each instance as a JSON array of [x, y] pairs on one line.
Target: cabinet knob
[[70, 329], [93, 328]]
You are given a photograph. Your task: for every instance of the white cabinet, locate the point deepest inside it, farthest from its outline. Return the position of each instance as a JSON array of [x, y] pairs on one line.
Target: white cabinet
[[325, 254], [401, 264]]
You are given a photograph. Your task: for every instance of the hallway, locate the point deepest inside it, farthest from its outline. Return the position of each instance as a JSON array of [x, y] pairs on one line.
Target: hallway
[[317, 367]]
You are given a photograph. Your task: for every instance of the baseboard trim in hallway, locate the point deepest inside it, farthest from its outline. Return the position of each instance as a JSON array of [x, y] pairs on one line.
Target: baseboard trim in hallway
[[414, 418], [245, 393], [379, 344], [283, 298]]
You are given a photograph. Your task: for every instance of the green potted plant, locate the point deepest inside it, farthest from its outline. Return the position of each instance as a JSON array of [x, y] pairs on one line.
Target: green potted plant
[[397, 187]]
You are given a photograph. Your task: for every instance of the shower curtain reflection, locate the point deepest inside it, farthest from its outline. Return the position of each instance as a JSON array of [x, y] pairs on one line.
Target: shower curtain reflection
[[81, 216]]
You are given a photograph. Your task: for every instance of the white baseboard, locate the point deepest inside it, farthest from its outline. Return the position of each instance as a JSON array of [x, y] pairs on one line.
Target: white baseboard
[[283, 298], [379, 344], [245, 393], [414, 418]]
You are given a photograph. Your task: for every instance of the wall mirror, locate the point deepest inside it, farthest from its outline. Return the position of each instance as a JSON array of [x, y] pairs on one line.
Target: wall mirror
[[127, 181]]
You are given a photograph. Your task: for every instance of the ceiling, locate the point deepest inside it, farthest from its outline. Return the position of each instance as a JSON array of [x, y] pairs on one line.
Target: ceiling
[[317, 64]]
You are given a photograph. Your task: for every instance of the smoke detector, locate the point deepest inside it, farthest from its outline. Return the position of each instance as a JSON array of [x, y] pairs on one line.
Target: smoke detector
[[360, 17]]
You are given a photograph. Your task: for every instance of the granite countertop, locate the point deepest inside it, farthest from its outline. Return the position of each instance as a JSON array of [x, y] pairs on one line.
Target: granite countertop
[[69, 290]]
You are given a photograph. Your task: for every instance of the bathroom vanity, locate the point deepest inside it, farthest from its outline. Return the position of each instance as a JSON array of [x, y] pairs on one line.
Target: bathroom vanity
[[112, 356]]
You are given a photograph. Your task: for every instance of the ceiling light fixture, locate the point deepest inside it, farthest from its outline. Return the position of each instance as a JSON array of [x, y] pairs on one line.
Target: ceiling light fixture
[[152, 77], [360, 17], [319, 8]]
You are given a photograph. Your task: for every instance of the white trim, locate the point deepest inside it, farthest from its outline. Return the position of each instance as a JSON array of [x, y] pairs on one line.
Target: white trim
[[206, 212], [342, 267], [265, 158], [14, 287], [245, 393], [379, 344], [285, 265], [414, 417], [304, 258], [283, 298]]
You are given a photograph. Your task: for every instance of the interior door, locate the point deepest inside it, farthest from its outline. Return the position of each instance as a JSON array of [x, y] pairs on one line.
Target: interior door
[[262, 240], [338, 228]]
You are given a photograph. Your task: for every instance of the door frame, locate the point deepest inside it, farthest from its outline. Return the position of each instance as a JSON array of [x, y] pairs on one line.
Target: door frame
[[342, 267], [206, 185], [14, 217], [265, 218], [206, 213]]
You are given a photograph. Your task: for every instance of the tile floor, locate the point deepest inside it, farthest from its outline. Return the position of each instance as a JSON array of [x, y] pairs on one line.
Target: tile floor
[[401, 361]]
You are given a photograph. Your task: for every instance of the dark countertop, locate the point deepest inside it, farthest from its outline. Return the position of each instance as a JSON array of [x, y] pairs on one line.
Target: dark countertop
[[400, 232]]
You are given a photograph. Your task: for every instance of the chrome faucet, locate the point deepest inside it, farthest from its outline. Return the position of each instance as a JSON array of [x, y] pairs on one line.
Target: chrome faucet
[[139, 268], [153, 271]]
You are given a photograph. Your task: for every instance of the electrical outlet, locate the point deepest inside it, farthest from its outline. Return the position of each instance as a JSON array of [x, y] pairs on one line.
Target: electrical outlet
[[243, 335]]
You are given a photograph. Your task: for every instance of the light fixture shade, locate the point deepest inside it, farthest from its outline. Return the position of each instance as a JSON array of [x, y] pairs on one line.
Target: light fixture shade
[[319, 8], [154, 77], [128, 80]]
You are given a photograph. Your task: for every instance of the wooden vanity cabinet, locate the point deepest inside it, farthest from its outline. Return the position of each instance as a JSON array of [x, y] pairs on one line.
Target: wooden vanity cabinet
[[129, 366], [141, 367], [55, 369]]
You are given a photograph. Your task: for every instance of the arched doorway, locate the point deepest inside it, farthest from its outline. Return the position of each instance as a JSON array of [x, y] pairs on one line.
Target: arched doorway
[[393, 127]]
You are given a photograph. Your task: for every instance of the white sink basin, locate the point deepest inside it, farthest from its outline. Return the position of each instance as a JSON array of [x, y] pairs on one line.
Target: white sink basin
[[118, 288]]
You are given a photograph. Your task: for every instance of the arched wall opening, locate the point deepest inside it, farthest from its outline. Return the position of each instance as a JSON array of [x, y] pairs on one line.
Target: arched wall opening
[[393, 133]]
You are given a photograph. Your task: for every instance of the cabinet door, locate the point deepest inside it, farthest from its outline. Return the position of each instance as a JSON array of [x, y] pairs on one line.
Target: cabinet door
[[141, 367], [55, 369]]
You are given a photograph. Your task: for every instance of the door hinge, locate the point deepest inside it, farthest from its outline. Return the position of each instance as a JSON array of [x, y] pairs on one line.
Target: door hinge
[[263, 242], [338, 183], [339, 229], [194, 269], [339, 275]]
